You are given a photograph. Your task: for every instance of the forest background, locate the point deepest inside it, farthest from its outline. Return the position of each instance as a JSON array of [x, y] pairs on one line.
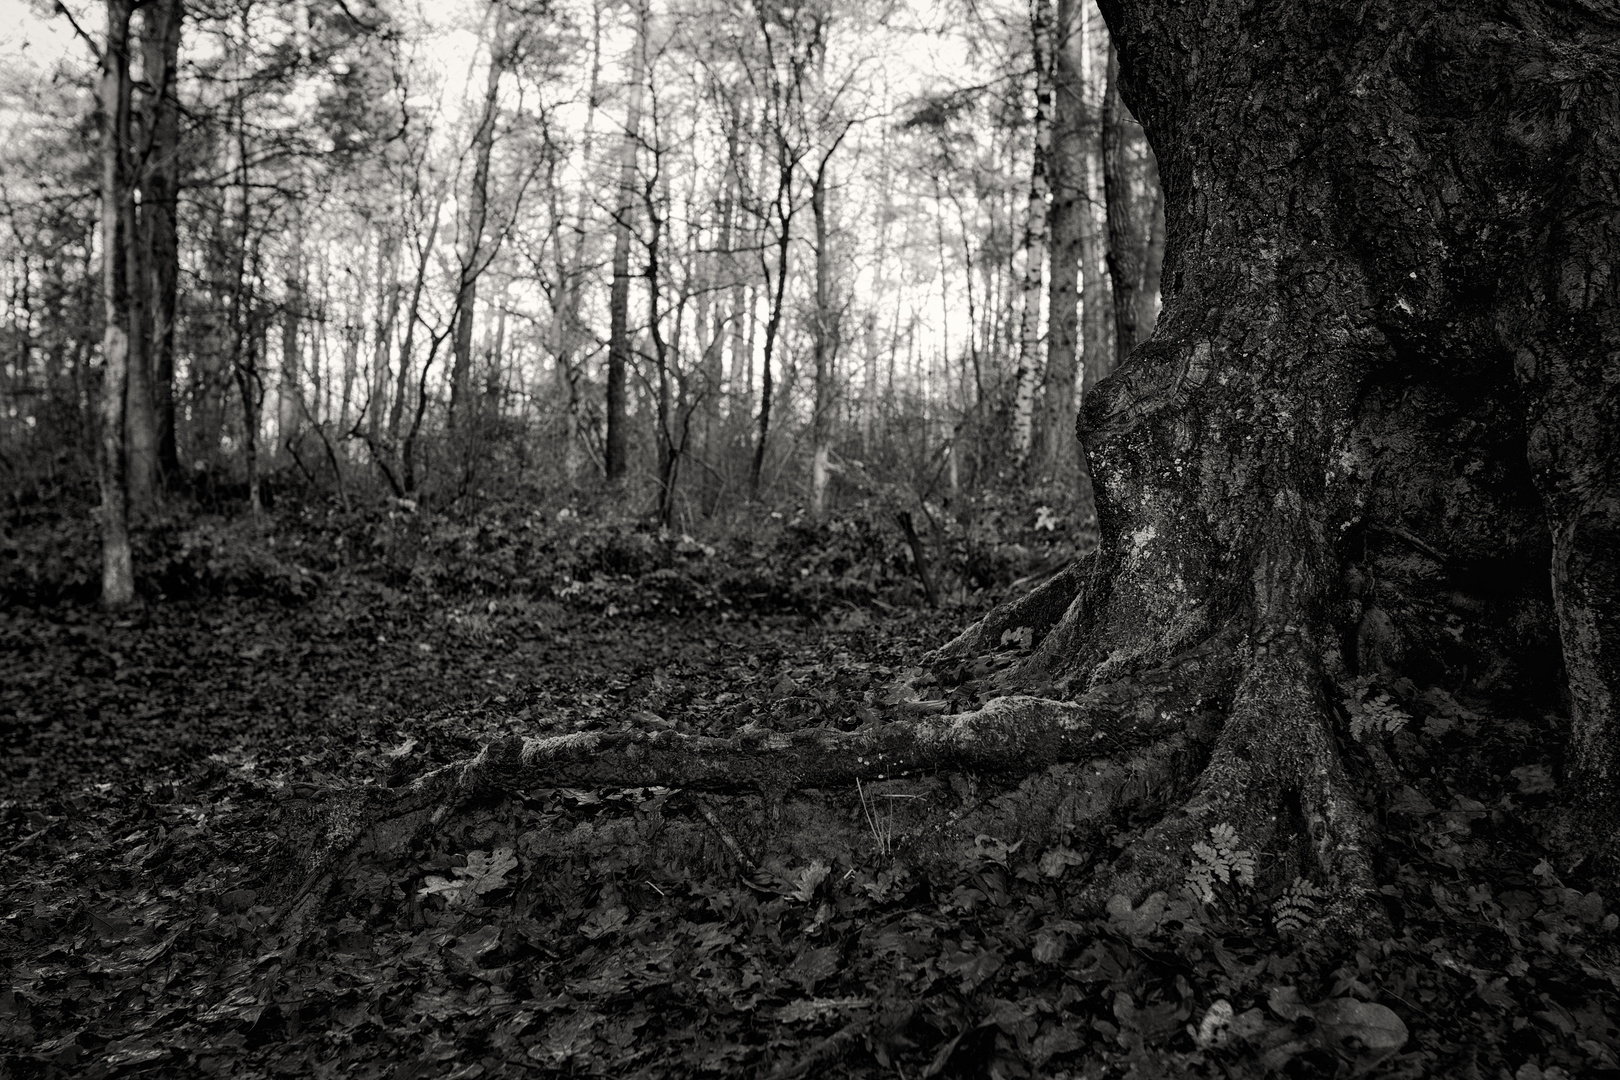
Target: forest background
[[717, 253]]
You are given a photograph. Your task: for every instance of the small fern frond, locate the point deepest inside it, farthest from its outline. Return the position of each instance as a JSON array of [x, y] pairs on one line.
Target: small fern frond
[[1223, 860], [1296, 909]]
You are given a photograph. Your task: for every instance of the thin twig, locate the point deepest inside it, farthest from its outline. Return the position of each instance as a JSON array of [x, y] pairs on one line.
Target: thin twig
[[29, 839], [725, 834], [825, 1052], [1420, 545], [95, 50]]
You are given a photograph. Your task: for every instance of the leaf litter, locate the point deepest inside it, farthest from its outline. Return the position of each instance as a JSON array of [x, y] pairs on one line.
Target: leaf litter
[[154, 760]]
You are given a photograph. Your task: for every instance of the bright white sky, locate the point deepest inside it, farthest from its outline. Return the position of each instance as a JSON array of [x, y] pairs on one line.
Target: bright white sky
[[27, 39]]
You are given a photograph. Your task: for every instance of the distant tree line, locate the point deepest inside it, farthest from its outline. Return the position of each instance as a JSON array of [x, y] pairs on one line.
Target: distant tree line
[[707, 252]]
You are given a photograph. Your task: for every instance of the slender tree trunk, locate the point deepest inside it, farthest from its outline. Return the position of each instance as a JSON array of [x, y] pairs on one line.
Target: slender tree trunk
[[251, 375], [824, 345], [773, 321], [666, 406], [870, 393], [495, 360], [241, 319], [871, 386], [142, 473], [140, 412], [160, 189], [1071, 213], [473, 256], [1096, 315], [352, 335], [741, 375], [383, 333], [619, 299], [1029, 330], [567, 336], [1135, 221], [117, 566], [289, 387], [407, 345], [720, 278]]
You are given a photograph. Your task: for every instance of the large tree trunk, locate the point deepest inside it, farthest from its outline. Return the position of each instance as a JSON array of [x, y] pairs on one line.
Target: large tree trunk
[[1389, 308], [1384, 390]]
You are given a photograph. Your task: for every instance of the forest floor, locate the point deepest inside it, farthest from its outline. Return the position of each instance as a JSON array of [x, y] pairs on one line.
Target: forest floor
[[154, 760]]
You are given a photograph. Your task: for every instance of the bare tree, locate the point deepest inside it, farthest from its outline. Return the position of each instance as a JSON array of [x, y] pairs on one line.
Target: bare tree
[[474, 256]]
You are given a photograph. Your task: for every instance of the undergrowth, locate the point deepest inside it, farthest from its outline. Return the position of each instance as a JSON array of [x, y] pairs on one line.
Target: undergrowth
[[600, 558]]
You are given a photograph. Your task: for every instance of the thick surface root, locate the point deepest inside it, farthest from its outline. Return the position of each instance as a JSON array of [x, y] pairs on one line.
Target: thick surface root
[[1039, 610], [1179, 746], [1276, 779], [1011, 737]]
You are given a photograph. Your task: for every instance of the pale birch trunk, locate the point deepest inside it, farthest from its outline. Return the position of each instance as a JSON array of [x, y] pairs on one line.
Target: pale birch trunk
[[1029, 331]]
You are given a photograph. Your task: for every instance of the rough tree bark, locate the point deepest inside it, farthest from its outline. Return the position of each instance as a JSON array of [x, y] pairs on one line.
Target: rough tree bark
[[1390, 311], [1384, 390]]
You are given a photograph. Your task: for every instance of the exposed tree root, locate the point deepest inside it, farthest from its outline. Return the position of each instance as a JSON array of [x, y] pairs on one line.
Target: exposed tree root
[[1178, 745], [1039, 609], [1276, 751], [1009, 737]]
